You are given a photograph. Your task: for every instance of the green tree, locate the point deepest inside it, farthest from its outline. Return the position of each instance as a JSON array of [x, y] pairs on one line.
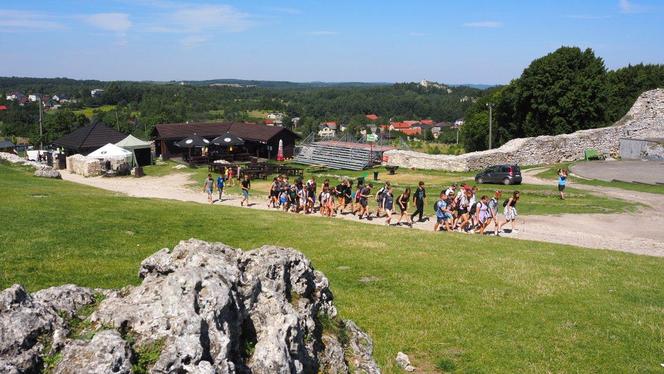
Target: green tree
[[559, 93]]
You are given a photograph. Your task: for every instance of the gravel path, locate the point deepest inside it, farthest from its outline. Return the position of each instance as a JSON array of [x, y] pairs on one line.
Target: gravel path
[[639, 233]]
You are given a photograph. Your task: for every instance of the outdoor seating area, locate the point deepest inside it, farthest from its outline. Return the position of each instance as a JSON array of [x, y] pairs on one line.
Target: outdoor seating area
[[255, 169]]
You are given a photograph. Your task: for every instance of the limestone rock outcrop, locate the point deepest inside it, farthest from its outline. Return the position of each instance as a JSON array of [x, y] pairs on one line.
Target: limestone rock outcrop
[[201, 308], [48, 173], [644, 120]]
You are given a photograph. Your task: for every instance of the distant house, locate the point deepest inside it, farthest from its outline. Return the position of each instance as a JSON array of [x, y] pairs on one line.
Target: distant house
[[34, 97], [61, 98], [97, 92], [268, 122], [3, 107], [16, 96], [296, 121], [327, 129], [459, 123], [275, 116], [428, 122], [372, 117]]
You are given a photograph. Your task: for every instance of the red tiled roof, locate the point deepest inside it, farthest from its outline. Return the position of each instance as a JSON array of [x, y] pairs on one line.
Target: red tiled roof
[[411, 131], [427, 122], [401, 125], [247, 131], [411, 123], [3, 107], [372, 117], [268, 122]]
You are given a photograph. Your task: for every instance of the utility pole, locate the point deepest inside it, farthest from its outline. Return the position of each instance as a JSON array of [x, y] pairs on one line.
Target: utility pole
[[458, 128], [490, 106], [41, 129]]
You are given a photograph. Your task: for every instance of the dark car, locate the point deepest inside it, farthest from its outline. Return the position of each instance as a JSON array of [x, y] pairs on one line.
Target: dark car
[[504, 174]]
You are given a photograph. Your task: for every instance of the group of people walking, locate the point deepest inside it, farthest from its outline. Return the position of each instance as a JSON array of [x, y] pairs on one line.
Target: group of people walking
[[458, 207]]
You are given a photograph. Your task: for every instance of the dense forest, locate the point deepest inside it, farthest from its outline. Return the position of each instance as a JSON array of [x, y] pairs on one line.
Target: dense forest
[[138, 106], [565, 91]]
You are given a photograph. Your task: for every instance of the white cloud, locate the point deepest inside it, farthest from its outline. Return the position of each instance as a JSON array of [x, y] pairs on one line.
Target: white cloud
[[116, 22], [14, 20], [627, 6], [484, 24], [290, 11], [323, 33], [211, 17], [193, 41], [586, 16]]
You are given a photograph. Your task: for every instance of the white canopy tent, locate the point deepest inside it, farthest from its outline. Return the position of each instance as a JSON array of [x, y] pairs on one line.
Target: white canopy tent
[[112, 152], [132, 144]]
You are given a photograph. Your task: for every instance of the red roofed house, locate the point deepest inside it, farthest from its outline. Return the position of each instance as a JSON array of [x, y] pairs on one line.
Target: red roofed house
[[372, 117], [412, 131], [3, 107], [428, 122]]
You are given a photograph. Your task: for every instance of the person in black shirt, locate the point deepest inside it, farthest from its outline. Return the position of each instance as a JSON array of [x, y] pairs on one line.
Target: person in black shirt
[[418, 198], [365, 193], [246, 185]]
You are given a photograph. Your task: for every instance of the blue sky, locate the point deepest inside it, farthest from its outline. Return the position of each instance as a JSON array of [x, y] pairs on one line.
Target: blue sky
[[389, 41]]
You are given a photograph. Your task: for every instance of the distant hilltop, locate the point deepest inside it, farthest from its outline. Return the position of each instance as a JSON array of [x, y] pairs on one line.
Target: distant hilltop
[[12, 83]]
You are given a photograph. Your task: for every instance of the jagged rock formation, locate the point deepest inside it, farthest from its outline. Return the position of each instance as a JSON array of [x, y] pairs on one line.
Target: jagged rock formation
[[644, 120], [48, 173], [201, 308], [41, 170]]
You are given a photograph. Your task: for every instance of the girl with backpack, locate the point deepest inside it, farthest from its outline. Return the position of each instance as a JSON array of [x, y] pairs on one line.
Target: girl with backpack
[[493, 211], [402, 201], [482, 214], [510, 210], [388, 204]]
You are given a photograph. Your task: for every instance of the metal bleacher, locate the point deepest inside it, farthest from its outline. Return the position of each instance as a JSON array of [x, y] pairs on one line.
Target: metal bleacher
[[335, 156]]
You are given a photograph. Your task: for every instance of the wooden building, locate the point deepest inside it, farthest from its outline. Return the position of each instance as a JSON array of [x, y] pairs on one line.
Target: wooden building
[[259, 140], [88, 138]]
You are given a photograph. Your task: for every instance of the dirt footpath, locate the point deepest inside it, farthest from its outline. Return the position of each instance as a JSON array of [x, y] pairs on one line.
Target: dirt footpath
[[639, 233]]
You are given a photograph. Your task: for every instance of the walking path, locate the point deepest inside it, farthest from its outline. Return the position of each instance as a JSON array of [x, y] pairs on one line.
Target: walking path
[[640, 232]]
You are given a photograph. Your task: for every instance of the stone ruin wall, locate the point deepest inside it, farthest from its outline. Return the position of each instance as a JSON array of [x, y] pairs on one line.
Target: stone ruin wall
[[644, 120]]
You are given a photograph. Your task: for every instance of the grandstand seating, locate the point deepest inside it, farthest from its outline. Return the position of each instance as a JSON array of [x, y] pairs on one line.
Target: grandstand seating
[[336, 156]]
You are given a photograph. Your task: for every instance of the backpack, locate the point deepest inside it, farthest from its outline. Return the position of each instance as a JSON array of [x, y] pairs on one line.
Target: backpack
[[379, 195], [505, 202], [435, 206], [473, 209]]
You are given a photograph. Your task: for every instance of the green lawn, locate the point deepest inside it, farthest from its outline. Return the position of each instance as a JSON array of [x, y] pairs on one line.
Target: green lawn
[[552, 174], [89, 112], [479, 304]]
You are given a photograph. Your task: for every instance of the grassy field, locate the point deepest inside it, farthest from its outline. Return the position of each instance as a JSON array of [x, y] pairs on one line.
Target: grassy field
[[552, 174], [89, 112], [535, 199], [464, 302]]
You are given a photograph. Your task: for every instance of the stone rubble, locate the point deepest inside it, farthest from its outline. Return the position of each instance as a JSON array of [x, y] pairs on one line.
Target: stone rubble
[[403, 361], [644, 120], [208, 307], [41, 170]]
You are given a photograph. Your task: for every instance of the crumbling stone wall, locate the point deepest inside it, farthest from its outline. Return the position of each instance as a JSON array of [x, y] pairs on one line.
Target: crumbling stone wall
[[644, 120]]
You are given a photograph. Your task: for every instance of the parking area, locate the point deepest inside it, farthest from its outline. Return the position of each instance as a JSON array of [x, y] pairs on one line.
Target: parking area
[[651, 172]]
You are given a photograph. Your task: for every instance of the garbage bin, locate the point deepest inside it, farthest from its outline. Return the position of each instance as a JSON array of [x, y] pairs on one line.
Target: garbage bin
[[375, 175]]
